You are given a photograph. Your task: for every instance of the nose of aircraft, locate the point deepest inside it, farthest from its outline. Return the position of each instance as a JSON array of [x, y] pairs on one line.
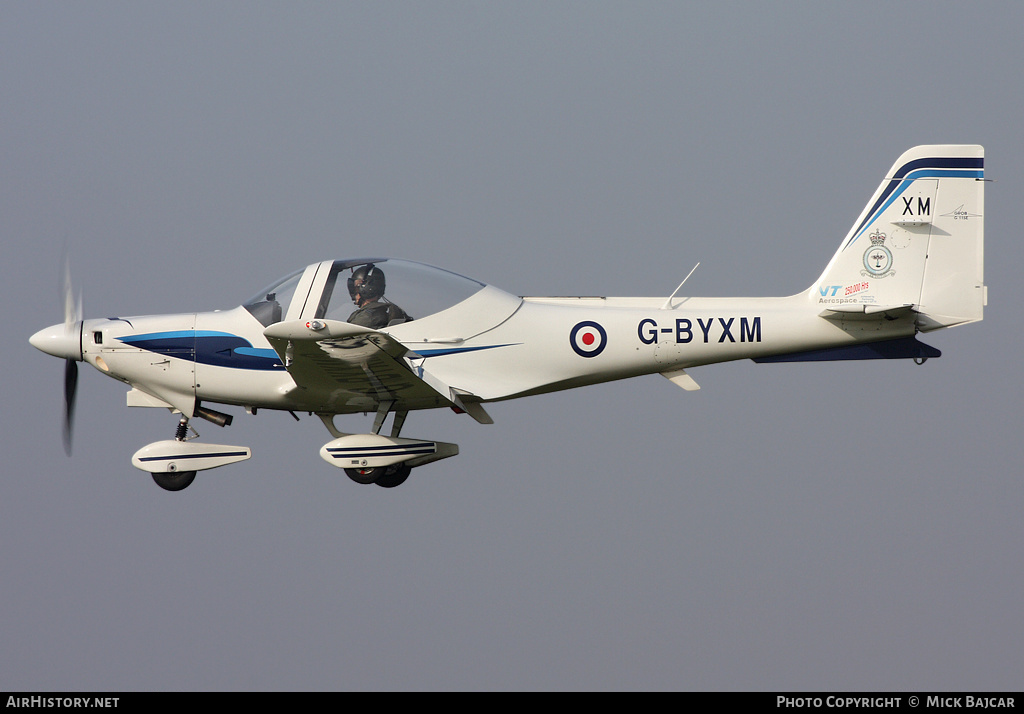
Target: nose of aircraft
[[58, 341]]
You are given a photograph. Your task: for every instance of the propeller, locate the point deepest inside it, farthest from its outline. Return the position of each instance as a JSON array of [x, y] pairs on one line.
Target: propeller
[[72, 325], [65, 341], [70, 387]]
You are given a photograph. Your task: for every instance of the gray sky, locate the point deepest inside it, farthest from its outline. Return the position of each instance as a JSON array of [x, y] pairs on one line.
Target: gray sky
[[822, 526]]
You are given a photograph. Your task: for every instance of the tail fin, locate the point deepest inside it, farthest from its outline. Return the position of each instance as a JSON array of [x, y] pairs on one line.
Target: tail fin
[[918, 244]]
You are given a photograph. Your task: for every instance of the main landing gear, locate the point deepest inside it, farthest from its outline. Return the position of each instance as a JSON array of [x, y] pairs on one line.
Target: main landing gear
[[384, 476], [383, 460]]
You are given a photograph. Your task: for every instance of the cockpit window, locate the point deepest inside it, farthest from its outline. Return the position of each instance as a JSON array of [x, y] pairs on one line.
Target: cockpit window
[[382, 293], [270, 304], [373, 292]]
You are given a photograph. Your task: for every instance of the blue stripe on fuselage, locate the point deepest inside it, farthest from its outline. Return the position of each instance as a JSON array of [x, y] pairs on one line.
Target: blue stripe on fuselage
[[223, 349], [441, 352], [218, 349]]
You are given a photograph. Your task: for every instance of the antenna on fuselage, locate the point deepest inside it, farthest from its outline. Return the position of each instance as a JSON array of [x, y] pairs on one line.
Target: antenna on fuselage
[[667, 302]]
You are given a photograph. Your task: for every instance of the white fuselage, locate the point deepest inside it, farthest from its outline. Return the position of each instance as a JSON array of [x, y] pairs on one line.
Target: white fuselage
[[493, 345]]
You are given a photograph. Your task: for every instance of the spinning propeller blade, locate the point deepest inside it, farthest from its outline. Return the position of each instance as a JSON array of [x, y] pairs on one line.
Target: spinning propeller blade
[[72, 325], [72, 306], [70, 387]]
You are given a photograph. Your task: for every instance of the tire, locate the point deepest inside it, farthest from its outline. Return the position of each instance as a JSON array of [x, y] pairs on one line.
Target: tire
[[174, 481], [394, 476], [365, 476]]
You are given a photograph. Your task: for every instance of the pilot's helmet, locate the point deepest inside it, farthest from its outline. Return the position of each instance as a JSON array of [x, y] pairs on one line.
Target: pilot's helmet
[[372, 286]]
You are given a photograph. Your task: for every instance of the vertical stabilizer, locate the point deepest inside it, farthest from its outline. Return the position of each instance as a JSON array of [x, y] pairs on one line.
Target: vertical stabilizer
[[919, 242]]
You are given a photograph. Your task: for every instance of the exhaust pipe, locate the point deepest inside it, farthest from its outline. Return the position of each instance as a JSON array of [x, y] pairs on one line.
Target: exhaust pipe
[[218, 418]]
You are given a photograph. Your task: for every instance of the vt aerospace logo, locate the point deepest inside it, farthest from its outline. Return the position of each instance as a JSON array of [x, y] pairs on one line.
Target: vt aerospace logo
[[588, 339]]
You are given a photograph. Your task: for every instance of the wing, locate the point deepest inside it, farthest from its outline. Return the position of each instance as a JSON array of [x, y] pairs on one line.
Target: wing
[[340, 367]]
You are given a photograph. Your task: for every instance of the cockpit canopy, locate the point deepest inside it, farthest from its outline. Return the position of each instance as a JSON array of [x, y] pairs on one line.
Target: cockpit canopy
[[329, 290]]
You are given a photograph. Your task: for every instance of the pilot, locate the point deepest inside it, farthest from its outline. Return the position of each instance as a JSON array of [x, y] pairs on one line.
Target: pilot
[[366, 286]]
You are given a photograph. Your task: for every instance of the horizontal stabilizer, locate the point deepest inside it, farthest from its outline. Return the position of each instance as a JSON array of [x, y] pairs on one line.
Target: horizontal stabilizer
[[903, 348], [864, 309]]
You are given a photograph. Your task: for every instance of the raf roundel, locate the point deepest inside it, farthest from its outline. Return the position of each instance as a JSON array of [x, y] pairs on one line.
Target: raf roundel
[[588, 339]]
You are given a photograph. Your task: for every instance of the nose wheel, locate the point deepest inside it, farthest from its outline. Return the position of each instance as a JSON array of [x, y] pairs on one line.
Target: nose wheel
[[174, 481], [173, 464], [177, 480]]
